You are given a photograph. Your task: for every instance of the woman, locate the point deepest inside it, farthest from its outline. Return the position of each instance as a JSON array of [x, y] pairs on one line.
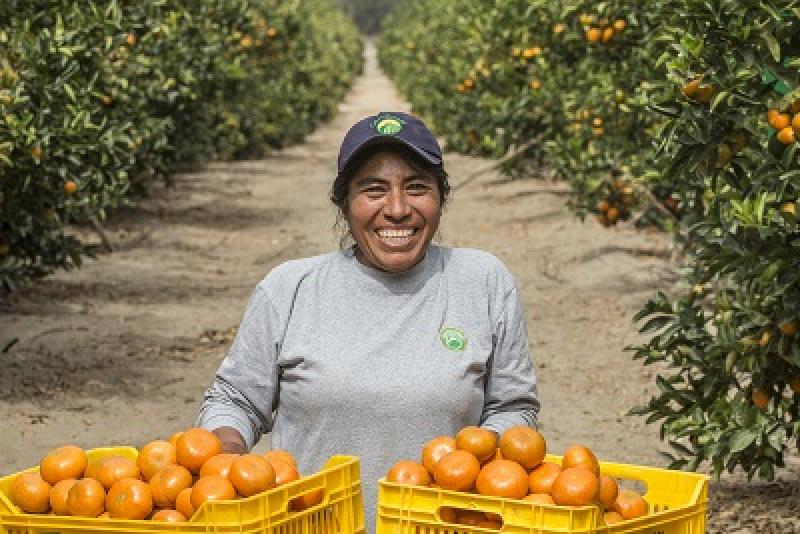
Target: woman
[[375, 349]]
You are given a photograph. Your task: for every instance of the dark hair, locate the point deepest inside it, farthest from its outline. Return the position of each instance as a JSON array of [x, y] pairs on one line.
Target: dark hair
[[341, 184]]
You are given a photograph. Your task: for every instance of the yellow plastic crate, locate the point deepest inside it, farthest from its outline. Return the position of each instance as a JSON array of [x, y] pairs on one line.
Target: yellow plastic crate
[[677, 505], [340, 512]]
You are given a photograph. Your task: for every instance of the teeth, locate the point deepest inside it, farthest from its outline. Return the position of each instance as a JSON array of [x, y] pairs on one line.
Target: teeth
[[406, 232]]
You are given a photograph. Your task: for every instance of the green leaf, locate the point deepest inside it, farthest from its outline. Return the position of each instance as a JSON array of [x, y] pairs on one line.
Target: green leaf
[[774, 47], [741, 439]]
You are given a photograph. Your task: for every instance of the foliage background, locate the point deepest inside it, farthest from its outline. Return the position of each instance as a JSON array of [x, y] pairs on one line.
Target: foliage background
[[96, 98]]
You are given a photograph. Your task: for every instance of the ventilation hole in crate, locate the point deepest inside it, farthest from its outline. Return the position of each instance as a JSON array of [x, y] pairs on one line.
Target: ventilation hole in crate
[[471, 518]]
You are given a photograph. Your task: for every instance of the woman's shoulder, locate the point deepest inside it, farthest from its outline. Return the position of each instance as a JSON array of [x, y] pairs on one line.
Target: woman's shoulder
[[290, 273], [473, 258], [472, 262]]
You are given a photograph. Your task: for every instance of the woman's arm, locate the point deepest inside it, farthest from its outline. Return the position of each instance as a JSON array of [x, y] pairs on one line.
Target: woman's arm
[[239, 403], [511, 395]]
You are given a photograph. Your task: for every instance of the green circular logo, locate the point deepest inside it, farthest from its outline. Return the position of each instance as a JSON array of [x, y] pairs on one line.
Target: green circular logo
[[453, 338], [388, 125]]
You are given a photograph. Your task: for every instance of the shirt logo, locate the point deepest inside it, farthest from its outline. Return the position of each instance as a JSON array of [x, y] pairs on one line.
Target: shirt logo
[[388, 124], [453, 338]]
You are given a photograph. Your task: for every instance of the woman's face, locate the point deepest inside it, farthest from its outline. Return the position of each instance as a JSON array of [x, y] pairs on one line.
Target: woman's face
[[393, 212]]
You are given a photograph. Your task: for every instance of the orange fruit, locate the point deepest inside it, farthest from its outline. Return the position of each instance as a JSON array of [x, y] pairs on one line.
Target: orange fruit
[[86, 498], [457, 471], [129, 498], [251, 474], [796, 124], [580, 456], [705, 93], [608, 34], [409, 472], [502, 478], [478, 441], [497, 518], [434, 449], [575, 486], [169, 516], [760, 398], [183, 503], [612, 517], [612, 214], [448, 515], [540, 498], [112, 468], [630, 504], [70, 187], [64, 462], [195, 446], [691, 88], [58, 496], [593, 35], [778, 120], [174, 438], [786, 135], [619, 24], [31, 493], [523, 445], [789, 328], [167, 483], [212, 488], [307, 500], [541, 479], [469, 517], [280, 454], [602, 206], [154, 456], [608, 491], [284, 472], [219, 464]]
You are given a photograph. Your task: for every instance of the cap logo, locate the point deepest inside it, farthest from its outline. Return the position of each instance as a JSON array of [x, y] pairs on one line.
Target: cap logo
[[388, 124]]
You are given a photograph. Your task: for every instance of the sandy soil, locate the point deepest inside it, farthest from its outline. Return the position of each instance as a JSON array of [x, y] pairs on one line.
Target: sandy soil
[[119, 351]]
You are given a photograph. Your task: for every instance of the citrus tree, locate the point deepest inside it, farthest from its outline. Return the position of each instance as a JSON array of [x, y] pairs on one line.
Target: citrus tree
[[97, 98], [730, 392]]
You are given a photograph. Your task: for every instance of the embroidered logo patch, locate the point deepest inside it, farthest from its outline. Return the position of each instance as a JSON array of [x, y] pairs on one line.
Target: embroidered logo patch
[[453, 338], [388, 124]]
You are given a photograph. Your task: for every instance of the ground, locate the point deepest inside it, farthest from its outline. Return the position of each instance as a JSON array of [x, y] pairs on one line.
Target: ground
[[120, 351]]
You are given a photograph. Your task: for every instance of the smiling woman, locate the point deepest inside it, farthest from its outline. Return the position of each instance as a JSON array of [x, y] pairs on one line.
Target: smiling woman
[[374, 349]]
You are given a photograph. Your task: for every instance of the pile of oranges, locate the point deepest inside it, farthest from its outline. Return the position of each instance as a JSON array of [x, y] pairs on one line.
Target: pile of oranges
[[604, 31], [787, 123], [168, 481], [514, 467]]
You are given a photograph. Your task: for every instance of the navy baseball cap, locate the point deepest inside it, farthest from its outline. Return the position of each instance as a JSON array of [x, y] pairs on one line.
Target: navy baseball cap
[[389, 128]]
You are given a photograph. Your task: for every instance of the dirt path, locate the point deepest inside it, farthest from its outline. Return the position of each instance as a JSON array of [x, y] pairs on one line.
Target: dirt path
[[120, 351]]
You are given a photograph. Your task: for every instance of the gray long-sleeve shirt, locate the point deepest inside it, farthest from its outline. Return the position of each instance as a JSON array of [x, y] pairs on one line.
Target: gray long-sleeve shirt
[[335, 357]]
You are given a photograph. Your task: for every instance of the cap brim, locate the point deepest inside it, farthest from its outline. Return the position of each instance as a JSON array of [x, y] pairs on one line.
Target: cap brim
[[391, 140]]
